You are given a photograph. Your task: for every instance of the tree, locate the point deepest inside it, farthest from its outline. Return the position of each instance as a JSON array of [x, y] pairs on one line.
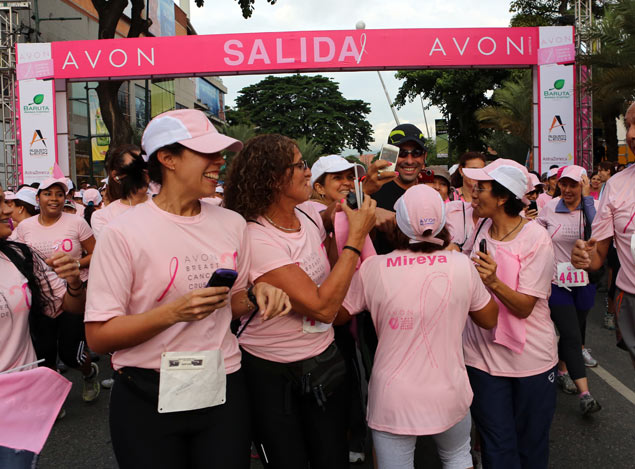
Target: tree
[[511, 111], [458, 94], [310, 150], [548, 12], [304, 106], [109, 13]]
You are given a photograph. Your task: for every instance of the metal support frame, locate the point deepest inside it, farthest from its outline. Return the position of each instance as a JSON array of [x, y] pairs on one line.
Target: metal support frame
[[9, 29], [584, 96]]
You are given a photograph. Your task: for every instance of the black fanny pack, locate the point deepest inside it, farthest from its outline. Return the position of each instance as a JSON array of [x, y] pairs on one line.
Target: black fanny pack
[[321, 375]]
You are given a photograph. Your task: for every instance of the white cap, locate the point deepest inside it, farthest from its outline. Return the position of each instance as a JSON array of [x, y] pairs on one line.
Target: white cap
[[27, 194], [508, 173], [552, 172], [69, 184], [332, 164], [453, 168]]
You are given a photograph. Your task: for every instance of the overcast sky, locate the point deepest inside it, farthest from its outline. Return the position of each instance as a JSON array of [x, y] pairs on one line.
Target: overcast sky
[[224, 16]]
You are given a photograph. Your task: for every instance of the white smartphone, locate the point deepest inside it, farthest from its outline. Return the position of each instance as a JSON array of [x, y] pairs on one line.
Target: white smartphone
[[389, 153]]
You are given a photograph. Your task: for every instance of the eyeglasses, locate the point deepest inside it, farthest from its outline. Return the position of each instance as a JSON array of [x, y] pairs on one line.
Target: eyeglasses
[[302, 165], [416, 153], [478, 189]]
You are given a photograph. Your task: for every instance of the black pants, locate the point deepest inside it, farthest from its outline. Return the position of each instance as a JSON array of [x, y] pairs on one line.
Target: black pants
[[63, 336], [215, 437], [290, 430]]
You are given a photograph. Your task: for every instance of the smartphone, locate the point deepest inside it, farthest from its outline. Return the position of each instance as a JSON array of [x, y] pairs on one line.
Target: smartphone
[[533, 205], [482, 246], [426, 175], [351, 200], [389, 153], [223, 278]]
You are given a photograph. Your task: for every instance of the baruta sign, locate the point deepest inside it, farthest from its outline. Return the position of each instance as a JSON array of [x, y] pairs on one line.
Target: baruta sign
[[294, 51]]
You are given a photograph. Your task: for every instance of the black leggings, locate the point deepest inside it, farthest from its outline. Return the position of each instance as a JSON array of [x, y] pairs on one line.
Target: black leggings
[[291, 428], [63, 335], [215, 437], [571, 324]]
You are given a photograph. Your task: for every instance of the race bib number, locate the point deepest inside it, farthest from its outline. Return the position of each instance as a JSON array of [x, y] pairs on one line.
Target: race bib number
[[569, 276], [191, 380], [311, 326]]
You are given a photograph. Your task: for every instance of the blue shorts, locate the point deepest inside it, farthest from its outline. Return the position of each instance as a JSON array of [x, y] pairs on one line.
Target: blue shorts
[[582, 298]]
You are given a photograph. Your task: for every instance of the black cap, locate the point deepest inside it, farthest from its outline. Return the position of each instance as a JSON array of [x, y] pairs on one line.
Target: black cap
[[406, 133]]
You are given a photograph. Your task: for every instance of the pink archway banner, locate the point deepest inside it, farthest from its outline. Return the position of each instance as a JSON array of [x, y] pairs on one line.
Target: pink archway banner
[[304, 51]]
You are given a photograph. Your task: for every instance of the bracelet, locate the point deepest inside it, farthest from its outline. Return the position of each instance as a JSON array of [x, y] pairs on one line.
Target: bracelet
[[69, 291], [355, 250], [68, 287]]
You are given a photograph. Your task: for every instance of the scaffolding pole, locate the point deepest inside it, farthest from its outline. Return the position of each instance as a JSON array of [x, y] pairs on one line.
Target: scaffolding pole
[[584, 97]]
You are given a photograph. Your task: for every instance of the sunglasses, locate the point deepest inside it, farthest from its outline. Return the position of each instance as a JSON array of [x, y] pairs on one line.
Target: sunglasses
[[302, 165], [416, 153]]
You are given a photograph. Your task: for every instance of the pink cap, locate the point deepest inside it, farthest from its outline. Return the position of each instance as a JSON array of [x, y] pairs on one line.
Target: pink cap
[[421, 209], [9, 195], [534, 181], [48, 182], [509, 174], [91, 195], [573, 171], [189, 127]]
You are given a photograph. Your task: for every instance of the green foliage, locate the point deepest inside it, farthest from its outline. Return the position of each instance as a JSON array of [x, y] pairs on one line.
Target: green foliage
[[246, 6], [458, 94], [508, 146], [511, 111], [548, 12], [303, 106], [310, 149], [242, 132]]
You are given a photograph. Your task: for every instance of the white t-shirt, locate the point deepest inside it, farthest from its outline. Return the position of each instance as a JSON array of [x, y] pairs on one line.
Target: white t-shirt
[[419, 304], [147, 257]]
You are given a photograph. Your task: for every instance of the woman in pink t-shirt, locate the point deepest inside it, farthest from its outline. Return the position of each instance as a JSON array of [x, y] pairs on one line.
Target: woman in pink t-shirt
[[567, 218], [295, 373], [29, 288], [463, 184], [596, 185], [55, 231], [419, 297], [179, 397], [127, 184], [512, 369]]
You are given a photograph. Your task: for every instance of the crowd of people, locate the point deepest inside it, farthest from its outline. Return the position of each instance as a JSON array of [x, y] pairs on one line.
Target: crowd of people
[[234, 316]]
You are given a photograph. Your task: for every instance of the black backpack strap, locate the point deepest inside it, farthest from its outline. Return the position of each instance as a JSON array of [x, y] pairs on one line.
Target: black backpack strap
[[307, 215]]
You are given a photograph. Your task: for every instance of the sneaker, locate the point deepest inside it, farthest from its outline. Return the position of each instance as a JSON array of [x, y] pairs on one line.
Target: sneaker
[[588, 359], [566, 384], [609, 321], [107, 383], [589, 405], [355, 457], [91, 385]]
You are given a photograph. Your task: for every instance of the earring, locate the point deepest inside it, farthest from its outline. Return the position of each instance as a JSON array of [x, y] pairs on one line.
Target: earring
[[116, 178]]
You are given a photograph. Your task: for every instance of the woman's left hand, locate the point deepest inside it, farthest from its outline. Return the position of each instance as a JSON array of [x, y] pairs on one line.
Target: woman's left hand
[[272, 301], [586, 185], [531, 214], [66, 268], [486, 267]]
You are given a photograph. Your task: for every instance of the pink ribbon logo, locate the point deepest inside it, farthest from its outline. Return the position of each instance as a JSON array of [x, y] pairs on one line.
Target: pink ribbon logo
[[174, 268]]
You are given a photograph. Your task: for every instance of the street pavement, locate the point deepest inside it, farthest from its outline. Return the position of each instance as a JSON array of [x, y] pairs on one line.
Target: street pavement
[[603, 440]]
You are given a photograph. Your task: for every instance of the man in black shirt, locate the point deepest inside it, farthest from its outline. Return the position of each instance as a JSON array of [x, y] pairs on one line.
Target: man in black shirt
[[410, 162]]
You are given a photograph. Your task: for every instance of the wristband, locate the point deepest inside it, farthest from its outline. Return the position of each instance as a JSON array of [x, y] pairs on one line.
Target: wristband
[[69, 287], [351, 248]]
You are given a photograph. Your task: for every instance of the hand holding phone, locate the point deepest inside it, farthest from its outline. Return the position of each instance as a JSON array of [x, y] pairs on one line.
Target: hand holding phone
[[533, 205], [482, 246]]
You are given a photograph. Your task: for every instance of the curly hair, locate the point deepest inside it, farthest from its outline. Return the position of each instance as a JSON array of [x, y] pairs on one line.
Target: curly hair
[[258, 173]]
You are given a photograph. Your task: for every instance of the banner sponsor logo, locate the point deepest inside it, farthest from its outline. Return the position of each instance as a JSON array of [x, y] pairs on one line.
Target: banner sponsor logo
[[557, 91], [38, 146], [36, 106], [557, 132]]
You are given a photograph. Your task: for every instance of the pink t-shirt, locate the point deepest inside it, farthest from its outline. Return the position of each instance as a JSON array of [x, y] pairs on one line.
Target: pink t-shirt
[[15, 303], [542, 200], [147, 257], [459, 221], [105, 215], [616, 218], [563, 227], [419, 304], [534, 251], [65, 235], [292, 337]]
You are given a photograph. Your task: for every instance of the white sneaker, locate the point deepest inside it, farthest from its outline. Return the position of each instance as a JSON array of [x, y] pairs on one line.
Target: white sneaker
[[356, 458], [91, 386], [588, 359]]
